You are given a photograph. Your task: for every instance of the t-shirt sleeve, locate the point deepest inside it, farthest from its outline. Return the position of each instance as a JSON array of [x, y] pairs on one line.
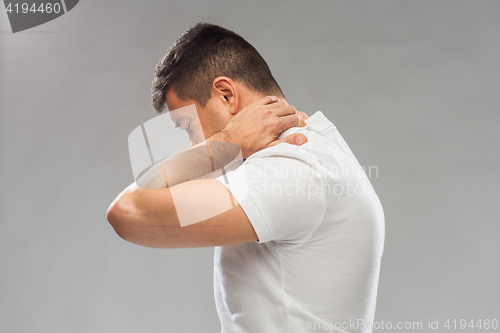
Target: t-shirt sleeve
[[281, 193]]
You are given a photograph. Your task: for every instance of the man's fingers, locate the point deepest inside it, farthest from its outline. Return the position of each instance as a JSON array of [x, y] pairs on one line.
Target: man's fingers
[[284, 110], [304, 116], [293, 120], [279, 107], [268, 100], [294, 139], [302, 122]]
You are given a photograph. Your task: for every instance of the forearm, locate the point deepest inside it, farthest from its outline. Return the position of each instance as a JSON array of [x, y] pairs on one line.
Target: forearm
[[201, 161]]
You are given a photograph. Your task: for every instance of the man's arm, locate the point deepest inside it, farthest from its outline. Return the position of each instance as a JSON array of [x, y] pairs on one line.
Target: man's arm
[[252, 129], [150, 217]]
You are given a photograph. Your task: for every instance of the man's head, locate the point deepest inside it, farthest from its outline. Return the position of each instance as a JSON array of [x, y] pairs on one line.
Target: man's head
[[215, 69]]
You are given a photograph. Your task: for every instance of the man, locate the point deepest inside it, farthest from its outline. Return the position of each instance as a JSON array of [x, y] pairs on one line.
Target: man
[[299, 249]]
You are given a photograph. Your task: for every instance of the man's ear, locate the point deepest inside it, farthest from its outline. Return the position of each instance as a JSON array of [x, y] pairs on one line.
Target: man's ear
[[226, 92]]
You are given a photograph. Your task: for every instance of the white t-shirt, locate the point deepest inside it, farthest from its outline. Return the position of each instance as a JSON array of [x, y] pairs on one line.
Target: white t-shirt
[[320, 224]]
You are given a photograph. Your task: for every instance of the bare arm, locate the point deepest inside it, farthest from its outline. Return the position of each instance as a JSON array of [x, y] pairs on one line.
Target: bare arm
[[149, 217], [163, 217], [206, 160]]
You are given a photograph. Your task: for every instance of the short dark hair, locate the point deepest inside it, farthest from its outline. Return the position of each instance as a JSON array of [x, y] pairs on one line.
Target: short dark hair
[[204, 52]]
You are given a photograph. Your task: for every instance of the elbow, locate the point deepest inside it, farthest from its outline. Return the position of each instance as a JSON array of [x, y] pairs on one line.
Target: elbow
[[116, 216], [131, 225]]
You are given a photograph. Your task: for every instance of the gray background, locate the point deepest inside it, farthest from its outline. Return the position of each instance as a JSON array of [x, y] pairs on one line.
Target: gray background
[[412, 86]]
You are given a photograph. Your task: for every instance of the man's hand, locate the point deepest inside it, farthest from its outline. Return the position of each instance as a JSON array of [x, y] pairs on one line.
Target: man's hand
[[303, 115], [258, 125]]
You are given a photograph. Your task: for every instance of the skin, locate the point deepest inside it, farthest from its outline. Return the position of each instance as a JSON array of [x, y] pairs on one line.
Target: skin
[[163, 218], [230, 100]]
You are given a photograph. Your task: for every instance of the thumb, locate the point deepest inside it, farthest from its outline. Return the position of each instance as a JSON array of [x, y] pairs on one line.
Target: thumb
[[293, 139]]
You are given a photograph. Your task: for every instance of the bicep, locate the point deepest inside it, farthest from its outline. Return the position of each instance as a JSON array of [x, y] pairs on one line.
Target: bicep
[[197, 213]]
